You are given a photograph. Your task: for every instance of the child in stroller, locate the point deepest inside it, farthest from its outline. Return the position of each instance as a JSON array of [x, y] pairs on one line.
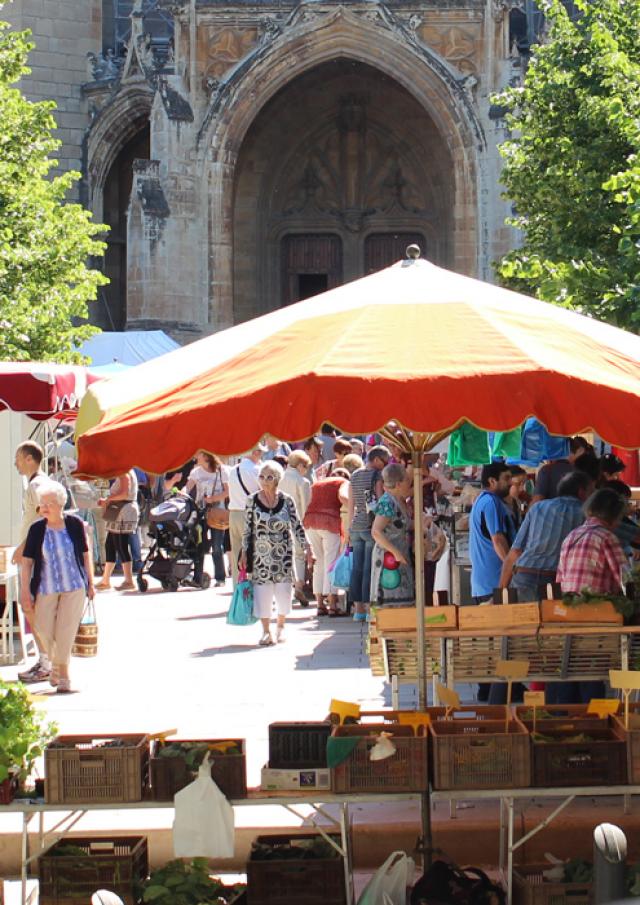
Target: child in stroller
[[176, 555]]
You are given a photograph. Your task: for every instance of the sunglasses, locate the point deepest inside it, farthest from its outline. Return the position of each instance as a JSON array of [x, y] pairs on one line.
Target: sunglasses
[[268, 477]]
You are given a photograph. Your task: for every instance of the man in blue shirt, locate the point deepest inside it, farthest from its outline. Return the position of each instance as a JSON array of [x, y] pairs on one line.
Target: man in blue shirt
[[491, 531], [533, 558]]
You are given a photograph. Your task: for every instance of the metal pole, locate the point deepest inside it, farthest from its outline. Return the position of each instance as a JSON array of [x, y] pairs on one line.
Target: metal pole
[[416, 461]]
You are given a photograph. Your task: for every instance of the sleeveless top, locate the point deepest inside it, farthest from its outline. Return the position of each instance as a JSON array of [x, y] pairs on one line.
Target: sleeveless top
[[323, 512]]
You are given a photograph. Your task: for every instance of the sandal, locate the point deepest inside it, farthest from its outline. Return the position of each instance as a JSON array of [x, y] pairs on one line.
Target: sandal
[[266, 640], [102, 587], [321, 610], [128, 586]]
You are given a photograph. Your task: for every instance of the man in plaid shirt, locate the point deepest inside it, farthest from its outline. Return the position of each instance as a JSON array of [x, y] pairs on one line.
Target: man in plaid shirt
[[591, 556]]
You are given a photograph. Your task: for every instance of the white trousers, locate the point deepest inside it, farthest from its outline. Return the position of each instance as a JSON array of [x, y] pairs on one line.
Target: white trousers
[[325, 546], [265, 594]]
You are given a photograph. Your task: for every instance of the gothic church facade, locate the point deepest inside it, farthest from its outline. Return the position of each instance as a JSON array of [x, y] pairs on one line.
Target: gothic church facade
[[249, 154]]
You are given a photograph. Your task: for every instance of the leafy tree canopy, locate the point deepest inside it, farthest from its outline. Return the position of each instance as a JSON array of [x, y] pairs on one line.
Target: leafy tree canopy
[[572, 164], [45, 243]]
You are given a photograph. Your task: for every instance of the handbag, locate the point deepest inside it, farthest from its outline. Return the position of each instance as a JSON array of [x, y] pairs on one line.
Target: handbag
[[85, 643], [112, 510], [340, 572], [241, 608], [218, 518]]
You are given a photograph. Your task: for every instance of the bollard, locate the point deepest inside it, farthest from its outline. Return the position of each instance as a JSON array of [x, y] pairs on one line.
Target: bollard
[[609, 857]]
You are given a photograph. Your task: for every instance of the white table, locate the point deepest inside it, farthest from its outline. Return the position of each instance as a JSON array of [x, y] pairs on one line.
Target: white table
[[507, 798], [72, 813], [8, 628]]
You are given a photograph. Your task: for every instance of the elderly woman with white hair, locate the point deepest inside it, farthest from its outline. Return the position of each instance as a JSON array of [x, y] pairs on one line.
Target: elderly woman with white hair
[[391, 568], [271, 526], [56, 575]]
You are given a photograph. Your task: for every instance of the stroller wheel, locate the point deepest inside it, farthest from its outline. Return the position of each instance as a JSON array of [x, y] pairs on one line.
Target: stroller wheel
[[205, 581], [172, 584], [143, 584]]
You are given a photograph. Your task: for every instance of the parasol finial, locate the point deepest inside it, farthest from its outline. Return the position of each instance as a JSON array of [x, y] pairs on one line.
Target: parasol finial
[[413, 252]]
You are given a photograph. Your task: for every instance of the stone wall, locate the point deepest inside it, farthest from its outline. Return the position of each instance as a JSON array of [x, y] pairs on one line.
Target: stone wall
[[64, 32]]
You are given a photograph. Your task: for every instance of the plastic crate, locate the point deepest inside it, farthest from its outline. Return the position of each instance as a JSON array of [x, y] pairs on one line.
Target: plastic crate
[[119, 864], [405, 771], [305, 881], [601, 761], [170, 774], [480, 754], [80, 769], [632, 739], [530, 888], [294, 746]]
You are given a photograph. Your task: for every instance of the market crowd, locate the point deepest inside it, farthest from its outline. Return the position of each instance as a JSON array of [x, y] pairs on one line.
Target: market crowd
[[286, 515]]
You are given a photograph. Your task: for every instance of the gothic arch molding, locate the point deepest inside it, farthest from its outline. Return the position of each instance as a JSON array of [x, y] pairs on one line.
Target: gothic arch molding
[[435, 84], [116, 124], [321, 38]]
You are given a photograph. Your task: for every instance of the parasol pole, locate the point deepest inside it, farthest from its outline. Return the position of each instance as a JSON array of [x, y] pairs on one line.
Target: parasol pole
[[418, 545]]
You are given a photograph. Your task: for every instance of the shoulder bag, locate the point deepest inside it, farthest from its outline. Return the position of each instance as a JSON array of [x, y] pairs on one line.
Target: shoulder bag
[[218, 516]]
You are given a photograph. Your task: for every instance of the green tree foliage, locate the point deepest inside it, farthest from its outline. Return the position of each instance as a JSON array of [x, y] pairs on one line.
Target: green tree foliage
[[45, 243], [572, 164]]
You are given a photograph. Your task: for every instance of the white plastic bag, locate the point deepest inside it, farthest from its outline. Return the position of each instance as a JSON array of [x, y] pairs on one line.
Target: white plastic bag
[[388, 886], [203, 826]]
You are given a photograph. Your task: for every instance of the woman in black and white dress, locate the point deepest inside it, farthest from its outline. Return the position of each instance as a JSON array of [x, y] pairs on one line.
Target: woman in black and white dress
[[271, 524]]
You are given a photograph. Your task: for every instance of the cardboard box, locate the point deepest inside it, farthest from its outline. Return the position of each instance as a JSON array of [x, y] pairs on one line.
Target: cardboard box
[[598, 613], [5, 559], [295, 780], [403, 618], [511, 615]]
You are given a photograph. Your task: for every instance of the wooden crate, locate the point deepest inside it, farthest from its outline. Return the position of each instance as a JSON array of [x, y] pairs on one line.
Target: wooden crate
[[598, 613], [403, 618], [480, 754], [401, 655], [530, 888], [510, 615]]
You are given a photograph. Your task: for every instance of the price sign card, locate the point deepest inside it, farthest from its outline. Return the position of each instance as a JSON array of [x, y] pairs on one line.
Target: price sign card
[[448, 697], [512, 669]]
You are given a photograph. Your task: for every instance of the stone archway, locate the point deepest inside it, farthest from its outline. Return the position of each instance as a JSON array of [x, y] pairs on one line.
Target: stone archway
[[336, 171], [322, 36]]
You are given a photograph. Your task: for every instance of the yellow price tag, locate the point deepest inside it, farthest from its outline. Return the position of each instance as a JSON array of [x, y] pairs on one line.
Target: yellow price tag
[[344, 709], [161, 736], [222, 746], [533, 698], [447, 696], [602, 707], [512, 669], [416, 719], [626, 679]]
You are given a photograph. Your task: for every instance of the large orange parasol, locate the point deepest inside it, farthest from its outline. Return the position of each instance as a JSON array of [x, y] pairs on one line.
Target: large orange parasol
[[414, 343]]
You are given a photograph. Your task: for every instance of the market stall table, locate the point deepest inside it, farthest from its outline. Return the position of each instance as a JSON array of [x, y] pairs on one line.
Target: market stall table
[[73, 813], [507, 799]]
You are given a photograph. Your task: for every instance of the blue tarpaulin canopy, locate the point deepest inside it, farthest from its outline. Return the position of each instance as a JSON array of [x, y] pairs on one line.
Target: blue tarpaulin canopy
[[129, 348]]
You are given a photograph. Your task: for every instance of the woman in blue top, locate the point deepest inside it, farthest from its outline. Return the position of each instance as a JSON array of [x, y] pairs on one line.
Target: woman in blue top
[[56, 575], [390, 532]]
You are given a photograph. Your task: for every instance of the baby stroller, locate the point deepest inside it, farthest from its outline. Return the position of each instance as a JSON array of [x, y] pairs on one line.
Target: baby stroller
[[176, 528]]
